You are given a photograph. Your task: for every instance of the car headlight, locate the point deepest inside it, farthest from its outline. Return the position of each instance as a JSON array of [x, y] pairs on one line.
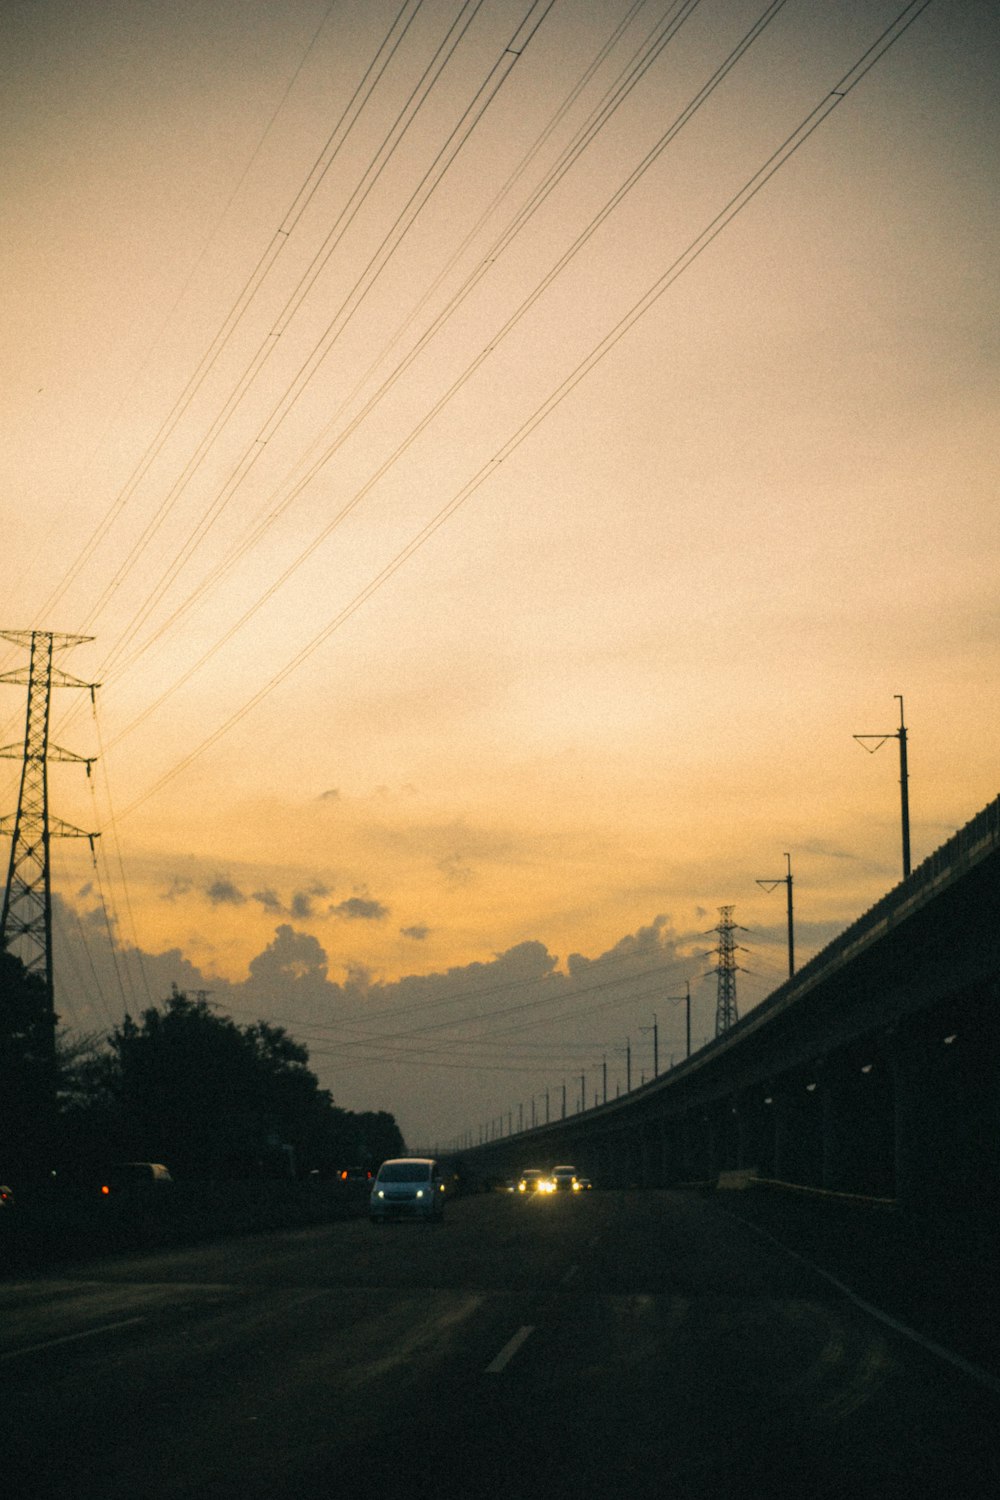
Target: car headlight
[[380, 1193], [420, 1192]]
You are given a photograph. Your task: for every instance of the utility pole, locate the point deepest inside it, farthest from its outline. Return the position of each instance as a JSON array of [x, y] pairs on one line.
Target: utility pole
[[772, 885], [726, 1012], [904, 777], [656, 1045], [27, 901], [604, 1070], [676, 1000]]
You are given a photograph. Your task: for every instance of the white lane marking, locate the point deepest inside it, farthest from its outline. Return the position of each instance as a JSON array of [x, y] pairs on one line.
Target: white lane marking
[[70, 1338], [568, 1275], [975, 1372], [509, 1349]]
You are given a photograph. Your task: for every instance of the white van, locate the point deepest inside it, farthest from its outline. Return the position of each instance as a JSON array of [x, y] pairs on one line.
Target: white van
[[408, 1187]]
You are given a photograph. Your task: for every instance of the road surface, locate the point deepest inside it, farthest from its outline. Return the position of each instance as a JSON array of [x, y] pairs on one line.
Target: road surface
[[615, 1344]]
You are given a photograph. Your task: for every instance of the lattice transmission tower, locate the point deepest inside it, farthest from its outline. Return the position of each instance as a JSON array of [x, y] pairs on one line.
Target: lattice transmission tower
[[726, 967], [26, 921]]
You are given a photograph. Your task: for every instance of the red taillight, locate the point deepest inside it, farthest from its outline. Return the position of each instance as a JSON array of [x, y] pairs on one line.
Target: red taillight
[[105, 1191], [343, 1176]]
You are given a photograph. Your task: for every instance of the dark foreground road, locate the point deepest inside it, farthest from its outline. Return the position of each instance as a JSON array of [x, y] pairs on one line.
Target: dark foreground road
[[625, 1344]]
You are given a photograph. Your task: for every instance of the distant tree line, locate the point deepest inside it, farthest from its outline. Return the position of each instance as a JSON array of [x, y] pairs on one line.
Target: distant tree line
[[182, 1085]]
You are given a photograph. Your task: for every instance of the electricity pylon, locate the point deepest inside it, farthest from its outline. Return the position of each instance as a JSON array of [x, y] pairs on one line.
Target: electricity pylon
[[27, 901], [726, 1013]]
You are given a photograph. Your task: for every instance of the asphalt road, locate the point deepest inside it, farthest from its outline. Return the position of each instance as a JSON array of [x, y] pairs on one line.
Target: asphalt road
[[619, 1344]]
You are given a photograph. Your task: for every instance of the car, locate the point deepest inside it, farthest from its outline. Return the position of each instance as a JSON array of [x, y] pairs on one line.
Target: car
[[563, 1179], [408, 1187], [583, 1184], [134, 1179], [6, 1196], [532, 1180]]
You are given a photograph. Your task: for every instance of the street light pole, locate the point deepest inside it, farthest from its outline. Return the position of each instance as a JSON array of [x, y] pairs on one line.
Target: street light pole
[[656, 1045], [904, 775], [770, 885], [676, 1000]]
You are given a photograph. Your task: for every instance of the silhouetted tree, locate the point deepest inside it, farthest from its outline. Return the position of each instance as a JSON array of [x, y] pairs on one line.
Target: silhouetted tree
[[28, 1111], [190, 1087]]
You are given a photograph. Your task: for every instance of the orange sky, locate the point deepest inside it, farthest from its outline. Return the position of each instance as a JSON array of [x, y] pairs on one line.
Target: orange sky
[[621, 677]]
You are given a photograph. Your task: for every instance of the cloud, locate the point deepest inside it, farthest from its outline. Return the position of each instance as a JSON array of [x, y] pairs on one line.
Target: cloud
[[179, 886], [360, 909], [269, 900], [654, 938], [331, 795], [292, 956], [302, 906], [97, 916], [829, 850], [418, 932], [455, 870], [224, 893]]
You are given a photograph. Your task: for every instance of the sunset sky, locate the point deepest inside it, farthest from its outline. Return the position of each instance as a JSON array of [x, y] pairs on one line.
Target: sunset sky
[[485, 587]]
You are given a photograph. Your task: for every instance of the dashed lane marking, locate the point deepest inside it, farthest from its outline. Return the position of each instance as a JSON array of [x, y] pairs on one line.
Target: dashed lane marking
[[70, 1338], [503, 1359]]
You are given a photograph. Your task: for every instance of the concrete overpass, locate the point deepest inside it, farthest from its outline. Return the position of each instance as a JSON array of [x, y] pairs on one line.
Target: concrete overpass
[[874, 1071]]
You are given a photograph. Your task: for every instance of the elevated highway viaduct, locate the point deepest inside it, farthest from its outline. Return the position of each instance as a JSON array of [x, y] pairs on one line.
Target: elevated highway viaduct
[[875, 1070]]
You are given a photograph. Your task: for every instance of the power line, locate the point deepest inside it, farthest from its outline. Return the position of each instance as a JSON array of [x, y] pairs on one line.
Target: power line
[[683, 118], [308, 468], [229, 323], [696, 247], [416, 100], [661, 35]]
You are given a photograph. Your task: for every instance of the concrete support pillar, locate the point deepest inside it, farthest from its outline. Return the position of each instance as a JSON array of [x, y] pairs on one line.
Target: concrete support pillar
[[798, 1126], [858, 1125], [946, 1080], [645, 1167], [754, 1123]]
